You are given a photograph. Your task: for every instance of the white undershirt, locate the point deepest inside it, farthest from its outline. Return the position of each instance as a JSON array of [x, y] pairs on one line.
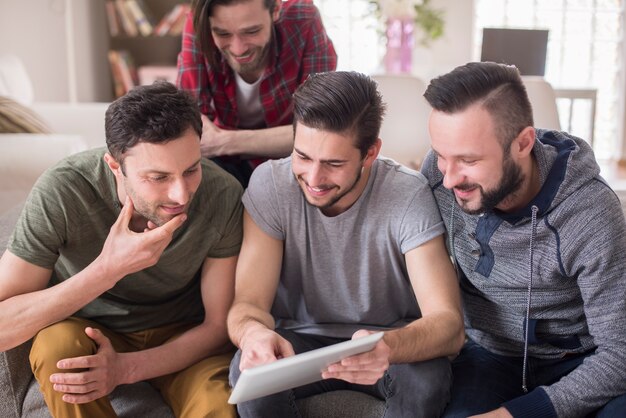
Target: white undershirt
[[249, 104]]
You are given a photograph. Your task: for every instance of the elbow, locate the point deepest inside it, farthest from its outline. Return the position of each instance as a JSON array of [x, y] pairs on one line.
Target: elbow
[[459, 337]]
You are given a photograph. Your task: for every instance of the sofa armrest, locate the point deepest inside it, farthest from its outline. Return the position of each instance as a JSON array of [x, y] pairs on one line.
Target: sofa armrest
[[15, 378], [15, 373], [23, 157]]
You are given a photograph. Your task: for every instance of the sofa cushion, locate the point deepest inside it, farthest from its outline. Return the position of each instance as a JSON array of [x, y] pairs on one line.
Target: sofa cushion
[[128, 401], [17, 118]]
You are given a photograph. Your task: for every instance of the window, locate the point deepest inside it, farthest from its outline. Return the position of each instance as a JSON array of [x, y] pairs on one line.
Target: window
[[584, 51], [355, 33]]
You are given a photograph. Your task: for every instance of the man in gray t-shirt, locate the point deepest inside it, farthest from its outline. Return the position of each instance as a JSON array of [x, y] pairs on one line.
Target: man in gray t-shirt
[[339, 244]]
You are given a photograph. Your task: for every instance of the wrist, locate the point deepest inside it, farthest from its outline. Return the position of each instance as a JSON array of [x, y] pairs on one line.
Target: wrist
[[233, 142], [250, 328], [127, 369], [103, 273]]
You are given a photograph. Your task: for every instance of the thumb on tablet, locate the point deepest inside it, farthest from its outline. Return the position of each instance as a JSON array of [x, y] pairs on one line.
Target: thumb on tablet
[[362, 333], [285, 349]]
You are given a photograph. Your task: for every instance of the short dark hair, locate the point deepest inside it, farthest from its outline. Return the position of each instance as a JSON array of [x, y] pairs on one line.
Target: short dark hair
[[202, 11], [156, 113], [497, 87], [344, 102]]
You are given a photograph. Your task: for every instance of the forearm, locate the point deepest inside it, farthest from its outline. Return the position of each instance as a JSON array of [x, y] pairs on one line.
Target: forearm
[[244, 318], [274, 142], [186, 350], [22, 316], [435, 335]]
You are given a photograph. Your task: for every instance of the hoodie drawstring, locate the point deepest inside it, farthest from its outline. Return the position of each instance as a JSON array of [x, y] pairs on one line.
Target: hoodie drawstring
[[451, 240], [533, 234]]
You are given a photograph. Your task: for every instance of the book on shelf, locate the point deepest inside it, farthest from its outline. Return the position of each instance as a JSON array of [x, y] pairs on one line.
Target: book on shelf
[[137, 10], [127, 19], [118, 84], [172, 23], [112, 18], [124, 72]]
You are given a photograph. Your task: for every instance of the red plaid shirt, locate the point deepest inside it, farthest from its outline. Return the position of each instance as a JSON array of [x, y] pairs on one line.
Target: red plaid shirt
[[301, 47]]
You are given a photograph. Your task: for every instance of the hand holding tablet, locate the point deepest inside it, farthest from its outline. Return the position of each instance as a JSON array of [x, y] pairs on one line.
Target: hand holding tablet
[[296, 370]]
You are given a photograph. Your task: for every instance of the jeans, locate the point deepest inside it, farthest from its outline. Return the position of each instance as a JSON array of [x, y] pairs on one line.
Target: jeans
[[409, 390], [483, 381]]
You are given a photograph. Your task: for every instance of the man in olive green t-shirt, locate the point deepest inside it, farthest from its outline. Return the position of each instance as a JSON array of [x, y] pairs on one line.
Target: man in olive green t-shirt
[[122, 265]]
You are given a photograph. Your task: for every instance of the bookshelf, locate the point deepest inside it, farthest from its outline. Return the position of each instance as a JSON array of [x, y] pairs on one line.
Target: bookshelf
[[144, 40]]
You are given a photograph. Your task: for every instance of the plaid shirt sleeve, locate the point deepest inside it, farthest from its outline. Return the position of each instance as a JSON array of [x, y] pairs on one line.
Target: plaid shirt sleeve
[[192, 70], [319, 55]]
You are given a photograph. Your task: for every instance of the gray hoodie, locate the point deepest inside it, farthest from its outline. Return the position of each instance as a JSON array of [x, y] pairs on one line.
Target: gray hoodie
[[563, 271]]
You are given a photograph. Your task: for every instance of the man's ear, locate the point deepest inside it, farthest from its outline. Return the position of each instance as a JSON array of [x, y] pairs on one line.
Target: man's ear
[[276, 13], [372, 153], [525, 141], [112, 163]]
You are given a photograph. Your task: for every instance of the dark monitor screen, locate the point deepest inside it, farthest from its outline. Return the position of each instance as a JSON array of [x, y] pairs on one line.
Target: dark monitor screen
[[524, 48]]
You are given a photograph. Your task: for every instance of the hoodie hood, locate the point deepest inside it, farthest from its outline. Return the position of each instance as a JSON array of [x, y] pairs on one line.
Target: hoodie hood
[[565, 163]]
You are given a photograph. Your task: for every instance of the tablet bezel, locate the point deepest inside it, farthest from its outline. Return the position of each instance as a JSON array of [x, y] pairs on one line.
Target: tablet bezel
[[297, 370]]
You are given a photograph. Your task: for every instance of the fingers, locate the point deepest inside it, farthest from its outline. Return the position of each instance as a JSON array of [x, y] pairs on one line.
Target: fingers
[[285, 348], [126, 213], [172, 225], [84, 362], [97, 335]]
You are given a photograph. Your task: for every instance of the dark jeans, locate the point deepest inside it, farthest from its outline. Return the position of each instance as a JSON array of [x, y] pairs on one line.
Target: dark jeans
[[483, 381], [409, 390], [239, 169]]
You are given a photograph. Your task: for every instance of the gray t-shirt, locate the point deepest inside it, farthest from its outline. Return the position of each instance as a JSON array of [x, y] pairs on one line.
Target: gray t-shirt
[[346, 272], [67, 218]]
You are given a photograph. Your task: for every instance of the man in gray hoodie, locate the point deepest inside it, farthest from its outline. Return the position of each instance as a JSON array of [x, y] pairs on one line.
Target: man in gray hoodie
[[539, 239]]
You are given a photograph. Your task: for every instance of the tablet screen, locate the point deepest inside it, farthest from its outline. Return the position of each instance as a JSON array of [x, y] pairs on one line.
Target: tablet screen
[[297, 370]]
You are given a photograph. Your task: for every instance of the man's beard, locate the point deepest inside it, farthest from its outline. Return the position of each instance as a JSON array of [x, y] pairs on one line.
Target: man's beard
[[336, 198], [251, 69], [510, 182]]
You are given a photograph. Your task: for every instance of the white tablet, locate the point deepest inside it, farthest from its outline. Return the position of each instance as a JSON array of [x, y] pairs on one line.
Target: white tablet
[[297, 370]]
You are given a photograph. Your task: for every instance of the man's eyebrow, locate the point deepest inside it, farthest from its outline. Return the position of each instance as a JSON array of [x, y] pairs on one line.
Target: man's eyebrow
[[331, 161], [155, 171], [217, 29], [456, 155]]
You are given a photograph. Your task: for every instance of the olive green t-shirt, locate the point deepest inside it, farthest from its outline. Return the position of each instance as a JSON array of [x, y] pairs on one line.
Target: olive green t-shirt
[[67, 218]]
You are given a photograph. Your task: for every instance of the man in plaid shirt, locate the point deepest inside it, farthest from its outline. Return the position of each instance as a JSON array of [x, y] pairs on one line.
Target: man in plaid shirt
[[243, 63]]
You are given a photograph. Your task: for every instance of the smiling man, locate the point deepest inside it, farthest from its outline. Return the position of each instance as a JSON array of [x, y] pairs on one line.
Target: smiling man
[[122, 265], [338, 244], [242, 60], [539, 239]]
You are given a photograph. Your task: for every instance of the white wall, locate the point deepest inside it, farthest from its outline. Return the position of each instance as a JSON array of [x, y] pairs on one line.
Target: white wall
[[36, 31], [454, 48]]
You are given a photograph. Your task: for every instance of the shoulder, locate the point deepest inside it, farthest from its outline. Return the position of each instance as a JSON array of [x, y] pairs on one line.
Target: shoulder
[[218, 182], [78, 177], [298, 10], [397, 177], [274, 173], [430, 171], [593, 203]]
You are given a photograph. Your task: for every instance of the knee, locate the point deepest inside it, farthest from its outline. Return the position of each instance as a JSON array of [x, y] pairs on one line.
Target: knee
[[424, 383], [64, 339]]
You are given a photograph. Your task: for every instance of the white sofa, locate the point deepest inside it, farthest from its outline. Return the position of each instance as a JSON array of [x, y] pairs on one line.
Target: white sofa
[[23, 157]]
